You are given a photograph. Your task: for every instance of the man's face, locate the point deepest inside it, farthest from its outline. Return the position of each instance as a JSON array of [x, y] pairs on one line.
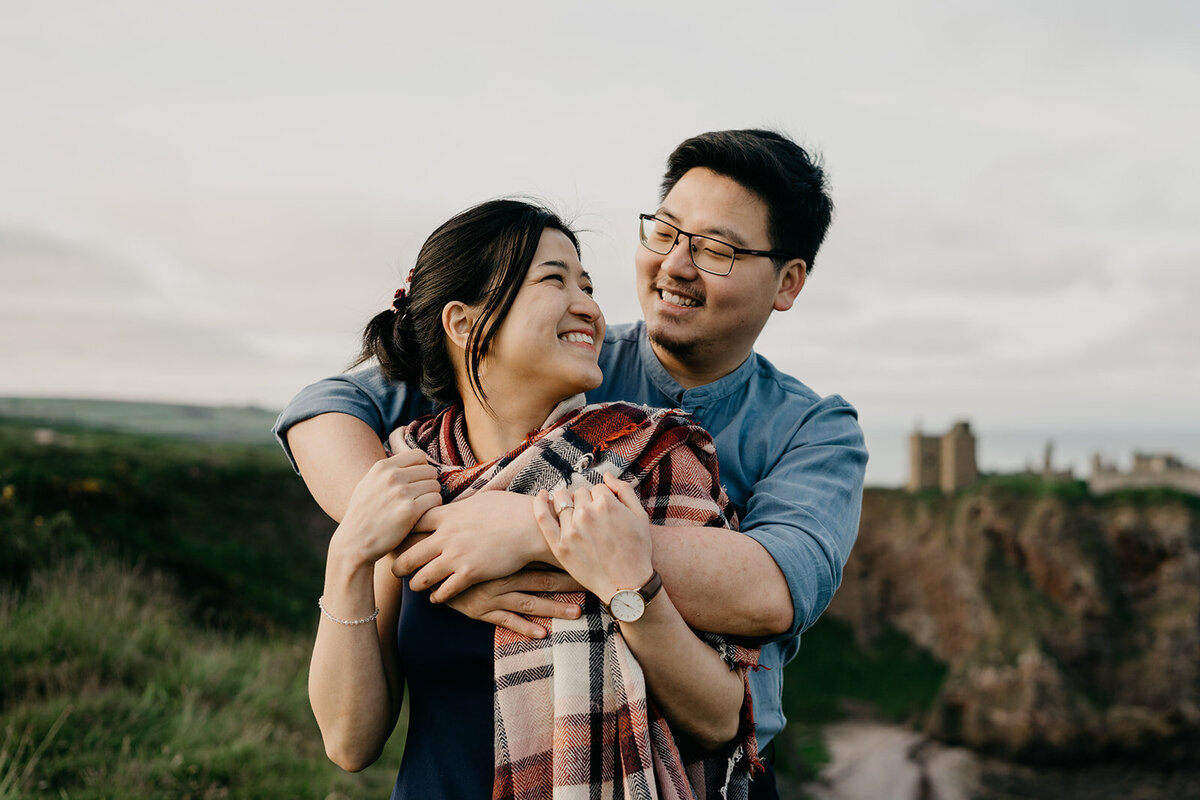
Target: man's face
[[703, 326]]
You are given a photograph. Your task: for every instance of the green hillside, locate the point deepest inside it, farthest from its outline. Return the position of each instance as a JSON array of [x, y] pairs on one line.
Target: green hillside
[[157, 607]]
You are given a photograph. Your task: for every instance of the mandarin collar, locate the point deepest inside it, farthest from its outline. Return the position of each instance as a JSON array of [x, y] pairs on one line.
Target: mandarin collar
[[709, 392]]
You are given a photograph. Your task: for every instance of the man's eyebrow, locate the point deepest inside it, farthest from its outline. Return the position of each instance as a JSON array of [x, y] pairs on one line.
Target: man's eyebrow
[[715, 231]]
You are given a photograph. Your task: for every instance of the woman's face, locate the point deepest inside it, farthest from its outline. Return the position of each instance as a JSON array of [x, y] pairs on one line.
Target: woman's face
[[548, 345]]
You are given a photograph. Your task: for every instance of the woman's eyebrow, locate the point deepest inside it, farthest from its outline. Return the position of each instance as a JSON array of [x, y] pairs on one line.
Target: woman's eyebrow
[[554, 262]]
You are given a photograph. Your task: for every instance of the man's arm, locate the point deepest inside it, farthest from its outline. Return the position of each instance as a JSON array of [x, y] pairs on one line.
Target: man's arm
[[801, 519], [723, 581], [333, 452], [707, 570], [805, 510], [774, 578], [332, 431]]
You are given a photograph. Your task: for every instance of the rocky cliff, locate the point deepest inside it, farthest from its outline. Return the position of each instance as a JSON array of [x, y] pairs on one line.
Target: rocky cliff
[[1070, 624]]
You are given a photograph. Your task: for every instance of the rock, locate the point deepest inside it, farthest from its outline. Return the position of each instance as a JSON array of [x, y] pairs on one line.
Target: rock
[[1070, 626]]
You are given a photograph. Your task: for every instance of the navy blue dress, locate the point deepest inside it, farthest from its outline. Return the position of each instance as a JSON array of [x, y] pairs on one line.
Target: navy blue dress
[[447, 661]]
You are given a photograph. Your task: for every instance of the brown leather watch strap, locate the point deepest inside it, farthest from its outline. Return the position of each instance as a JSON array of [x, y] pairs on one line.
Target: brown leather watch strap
[[651, 587]]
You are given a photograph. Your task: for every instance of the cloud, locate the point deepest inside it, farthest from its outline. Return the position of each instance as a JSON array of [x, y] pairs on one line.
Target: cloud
[[241, 189]]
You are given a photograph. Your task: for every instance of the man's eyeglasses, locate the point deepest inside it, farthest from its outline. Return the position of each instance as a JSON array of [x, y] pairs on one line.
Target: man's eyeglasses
[[708, 254]]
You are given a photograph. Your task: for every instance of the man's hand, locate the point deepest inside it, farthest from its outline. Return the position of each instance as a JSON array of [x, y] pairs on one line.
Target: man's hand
[[477, 539], [505, 601]]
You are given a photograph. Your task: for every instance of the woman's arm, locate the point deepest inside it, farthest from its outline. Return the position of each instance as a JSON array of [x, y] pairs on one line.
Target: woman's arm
[[604, 543], [355, 685]]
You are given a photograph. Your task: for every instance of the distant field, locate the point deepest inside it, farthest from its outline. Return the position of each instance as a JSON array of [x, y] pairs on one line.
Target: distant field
[[246, 424]]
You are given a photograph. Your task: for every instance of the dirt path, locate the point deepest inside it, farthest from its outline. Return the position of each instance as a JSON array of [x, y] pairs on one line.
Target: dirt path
[[872, 761]]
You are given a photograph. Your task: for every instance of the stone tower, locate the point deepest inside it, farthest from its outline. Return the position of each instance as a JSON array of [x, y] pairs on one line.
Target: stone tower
[[945, 462], [924, 460], [958, 458]]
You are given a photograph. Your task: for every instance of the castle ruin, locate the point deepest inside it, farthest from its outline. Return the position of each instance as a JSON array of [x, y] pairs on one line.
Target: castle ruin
[[945, 462], [1150, 470]]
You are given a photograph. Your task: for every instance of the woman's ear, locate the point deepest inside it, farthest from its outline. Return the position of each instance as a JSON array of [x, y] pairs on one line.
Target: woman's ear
[[457, 320]]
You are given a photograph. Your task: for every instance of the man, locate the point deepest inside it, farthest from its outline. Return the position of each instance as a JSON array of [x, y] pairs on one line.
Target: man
[[742, 216]]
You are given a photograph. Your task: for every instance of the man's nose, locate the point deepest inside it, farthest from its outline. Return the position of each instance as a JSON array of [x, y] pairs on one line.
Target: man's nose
[[678, 263]]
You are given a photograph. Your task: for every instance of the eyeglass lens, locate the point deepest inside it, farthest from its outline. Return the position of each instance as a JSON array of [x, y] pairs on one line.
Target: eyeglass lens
[[710, 255]]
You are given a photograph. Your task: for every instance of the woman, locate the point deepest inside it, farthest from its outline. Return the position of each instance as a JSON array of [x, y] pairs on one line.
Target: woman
[[499, 323]]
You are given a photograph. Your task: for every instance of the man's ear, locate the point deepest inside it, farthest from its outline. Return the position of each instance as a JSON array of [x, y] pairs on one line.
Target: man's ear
[[791, 281], [457, 320]]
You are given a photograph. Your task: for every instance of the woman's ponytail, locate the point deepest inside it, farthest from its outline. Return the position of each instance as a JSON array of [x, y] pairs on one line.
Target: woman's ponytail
[[388, 339]]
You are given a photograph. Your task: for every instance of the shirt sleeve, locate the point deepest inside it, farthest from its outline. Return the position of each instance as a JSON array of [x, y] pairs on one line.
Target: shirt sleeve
[[805, 510], [366, 394]]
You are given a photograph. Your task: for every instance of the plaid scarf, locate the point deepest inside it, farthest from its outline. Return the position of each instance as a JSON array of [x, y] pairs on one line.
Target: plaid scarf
[[572, 716]]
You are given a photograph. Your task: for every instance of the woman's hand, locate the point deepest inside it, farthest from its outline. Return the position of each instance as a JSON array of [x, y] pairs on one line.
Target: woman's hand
[[603, 541], [385, 505]]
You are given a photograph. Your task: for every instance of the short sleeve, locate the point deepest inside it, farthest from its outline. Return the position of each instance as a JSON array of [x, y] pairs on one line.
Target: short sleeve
[[366, 394]]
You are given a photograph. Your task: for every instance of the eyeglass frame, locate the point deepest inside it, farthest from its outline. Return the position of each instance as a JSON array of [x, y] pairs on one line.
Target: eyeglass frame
[[737, 251]]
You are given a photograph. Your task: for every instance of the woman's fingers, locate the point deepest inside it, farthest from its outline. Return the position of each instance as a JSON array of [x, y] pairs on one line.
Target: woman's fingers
[[430, 498], [547, 520], [624, 493], [408, 457]]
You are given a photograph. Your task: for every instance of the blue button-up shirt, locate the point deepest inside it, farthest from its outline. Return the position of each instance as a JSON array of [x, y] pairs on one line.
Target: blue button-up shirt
[[791, 461]]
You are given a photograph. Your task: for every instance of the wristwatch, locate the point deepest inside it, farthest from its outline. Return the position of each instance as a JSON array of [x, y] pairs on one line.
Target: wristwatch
[[628, 605]]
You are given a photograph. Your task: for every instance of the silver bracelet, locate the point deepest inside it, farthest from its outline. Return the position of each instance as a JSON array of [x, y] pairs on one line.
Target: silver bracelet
[[363, 621]]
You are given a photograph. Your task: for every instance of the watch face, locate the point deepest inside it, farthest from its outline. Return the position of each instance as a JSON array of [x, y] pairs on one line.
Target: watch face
[[627, 606]]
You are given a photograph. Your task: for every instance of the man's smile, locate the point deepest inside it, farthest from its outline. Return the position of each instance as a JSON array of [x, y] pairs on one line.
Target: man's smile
[[678, 299]]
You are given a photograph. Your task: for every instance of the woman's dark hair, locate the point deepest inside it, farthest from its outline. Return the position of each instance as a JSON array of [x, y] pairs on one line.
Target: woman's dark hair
[[478, 257], [790, 182]]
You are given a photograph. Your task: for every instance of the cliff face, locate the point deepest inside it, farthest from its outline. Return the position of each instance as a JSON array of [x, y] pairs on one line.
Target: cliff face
[[1070, 626]]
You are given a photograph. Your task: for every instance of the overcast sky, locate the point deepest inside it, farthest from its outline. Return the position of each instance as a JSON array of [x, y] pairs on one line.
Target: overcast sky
[[204, 201]]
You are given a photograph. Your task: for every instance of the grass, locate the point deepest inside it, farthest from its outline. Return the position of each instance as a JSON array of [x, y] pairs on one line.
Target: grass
[[126, 698], [219, 518], [891, 675], [19, 757], [157, 608]]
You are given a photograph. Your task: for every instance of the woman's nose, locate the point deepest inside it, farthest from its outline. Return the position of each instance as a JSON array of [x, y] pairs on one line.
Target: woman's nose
[[585, 305]]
